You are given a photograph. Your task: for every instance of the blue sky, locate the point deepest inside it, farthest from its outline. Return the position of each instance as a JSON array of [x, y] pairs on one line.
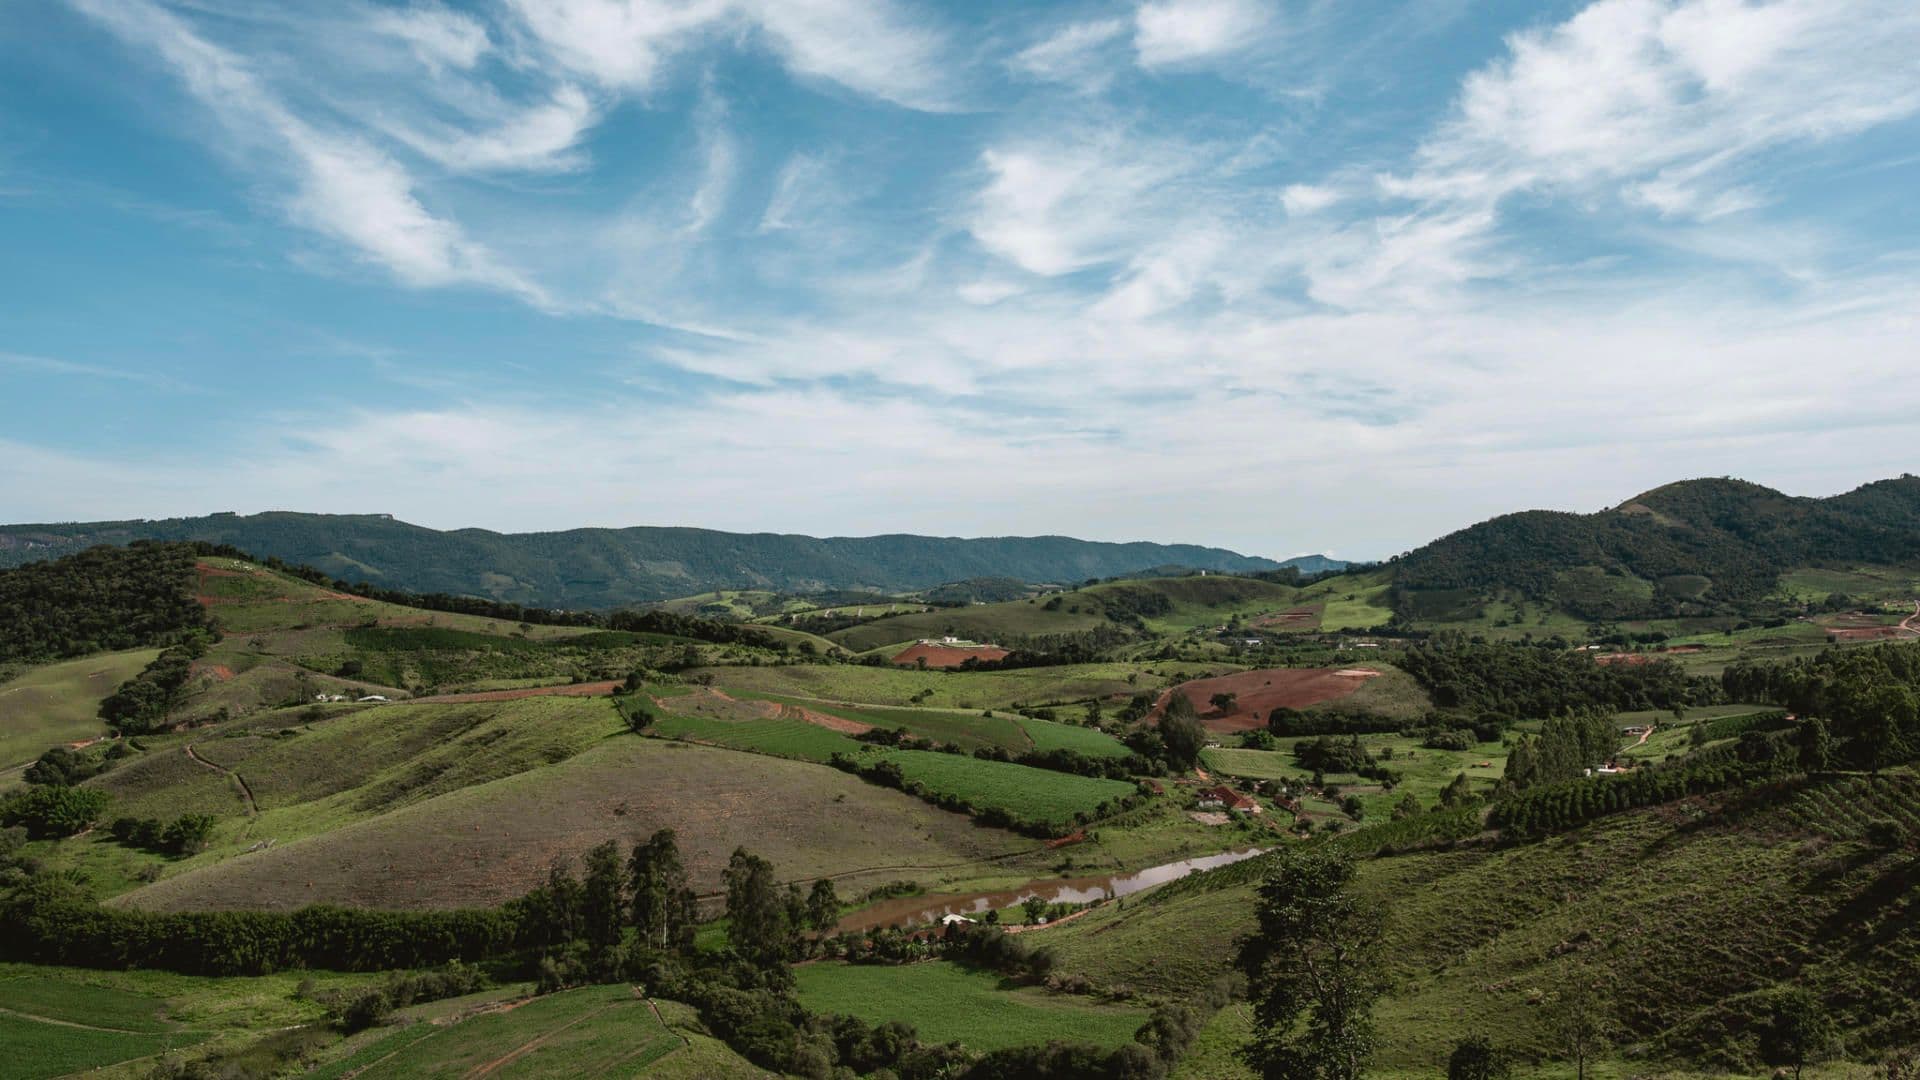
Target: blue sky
[[1284, 276]]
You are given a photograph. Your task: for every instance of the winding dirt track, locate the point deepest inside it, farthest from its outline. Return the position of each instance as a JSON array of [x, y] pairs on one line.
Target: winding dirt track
[[246, 792]]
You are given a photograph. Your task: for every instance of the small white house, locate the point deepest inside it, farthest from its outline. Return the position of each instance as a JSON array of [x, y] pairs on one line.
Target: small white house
[[951, 919]]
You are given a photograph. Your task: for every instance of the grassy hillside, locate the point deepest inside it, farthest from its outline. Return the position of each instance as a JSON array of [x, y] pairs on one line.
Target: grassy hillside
[[486, 842], [1682, 914], [943, 689], [948, 1003], [59, 702]]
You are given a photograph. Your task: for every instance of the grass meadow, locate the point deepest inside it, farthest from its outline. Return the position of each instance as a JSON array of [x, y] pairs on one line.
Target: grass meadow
[[58, 703], [948, 1003]]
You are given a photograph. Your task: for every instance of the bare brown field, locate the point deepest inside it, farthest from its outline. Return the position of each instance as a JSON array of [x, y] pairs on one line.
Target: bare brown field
[[1257, 693], [947, 656], [488, 843]]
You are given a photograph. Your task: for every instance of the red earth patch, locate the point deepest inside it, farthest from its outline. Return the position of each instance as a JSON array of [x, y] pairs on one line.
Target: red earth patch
[[948, 656], [1258, 693]]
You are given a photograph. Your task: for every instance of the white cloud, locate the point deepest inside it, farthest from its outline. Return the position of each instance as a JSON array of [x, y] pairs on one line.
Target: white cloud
[[1301, 199], [868, 46], [438, 38], [543, 137], [1631, 92], [344, 187], [1053, 208], [1171, 33], [1076, 54]]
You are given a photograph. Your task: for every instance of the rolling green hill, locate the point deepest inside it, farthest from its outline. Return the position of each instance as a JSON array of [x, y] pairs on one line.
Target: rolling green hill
[[1691, 548], [605, 568]]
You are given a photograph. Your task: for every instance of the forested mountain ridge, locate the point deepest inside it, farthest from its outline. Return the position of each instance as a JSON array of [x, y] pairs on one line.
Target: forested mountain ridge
[[1687, 547], [605, 568]]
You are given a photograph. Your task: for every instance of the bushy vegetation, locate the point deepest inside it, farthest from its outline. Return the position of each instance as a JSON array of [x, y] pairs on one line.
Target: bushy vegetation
[[1507, 682], [99, 599], [143, 703]]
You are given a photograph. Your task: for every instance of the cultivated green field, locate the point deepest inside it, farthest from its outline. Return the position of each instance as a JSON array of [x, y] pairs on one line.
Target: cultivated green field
[[55, 1021], [1028, 794], [58, 703], [856, 684], [979, 622], [601, 1031], [945, 1002]]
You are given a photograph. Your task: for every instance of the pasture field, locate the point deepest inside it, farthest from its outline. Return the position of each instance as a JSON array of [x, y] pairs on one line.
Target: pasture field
[[1423, 771], [38, 1048], [1199, 601], [1011, 731], [986, 623], [247, 598], [1053, 735], [857, 684], [55, 1021], [1353, 601], [600, 1031], [489, 842], [308, 776], [1027, 793], [1860, 582], [948, 1003], [58, 703]]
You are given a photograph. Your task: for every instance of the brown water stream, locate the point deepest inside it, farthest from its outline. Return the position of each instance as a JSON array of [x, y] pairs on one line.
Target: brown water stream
[[907, 910]]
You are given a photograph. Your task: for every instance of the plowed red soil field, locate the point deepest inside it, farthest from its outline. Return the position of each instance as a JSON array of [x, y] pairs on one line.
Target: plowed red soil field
[[1257, 693], [947, 656]]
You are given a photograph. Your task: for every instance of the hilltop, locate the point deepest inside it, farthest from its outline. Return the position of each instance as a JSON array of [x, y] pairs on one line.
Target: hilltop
[[607, 568], [1693, 548]]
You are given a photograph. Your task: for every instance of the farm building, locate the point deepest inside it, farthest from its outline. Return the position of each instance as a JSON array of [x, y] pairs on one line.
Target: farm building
[[1225, 798]]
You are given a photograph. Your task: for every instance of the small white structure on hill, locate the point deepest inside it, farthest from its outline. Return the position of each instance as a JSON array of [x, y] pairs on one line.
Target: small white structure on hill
[[951, 919]]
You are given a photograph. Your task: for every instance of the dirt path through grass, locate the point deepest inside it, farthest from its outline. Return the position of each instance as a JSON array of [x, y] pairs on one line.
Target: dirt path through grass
[[529, 1046], [246, 793]]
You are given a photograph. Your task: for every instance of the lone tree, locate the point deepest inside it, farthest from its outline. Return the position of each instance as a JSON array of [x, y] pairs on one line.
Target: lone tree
[[664, 912], [1312, 970], [1035, 907], [823, 906], [1181, 733], [1223, 702], [1474, 1058], [758, 921], [1795, 1031], [1579, 1016]]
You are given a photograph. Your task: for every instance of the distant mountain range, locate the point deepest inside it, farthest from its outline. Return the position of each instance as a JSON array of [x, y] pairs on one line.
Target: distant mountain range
[[604, 568], [1693, 547]]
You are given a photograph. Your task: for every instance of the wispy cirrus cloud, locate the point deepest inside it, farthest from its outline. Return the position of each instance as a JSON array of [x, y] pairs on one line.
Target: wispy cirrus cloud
[[341, 185]]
